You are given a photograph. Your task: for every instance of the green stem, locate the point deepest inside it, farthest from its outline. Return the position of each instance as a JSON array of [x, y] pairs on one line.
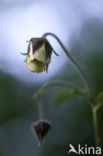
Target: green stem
[[96, 126], [40, 108], [56, 83], [82, 73]]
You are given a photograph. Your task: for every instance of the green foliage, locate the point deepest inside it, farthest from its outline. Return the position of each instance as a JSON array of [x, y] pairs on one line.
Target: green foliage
[[100, 100], [100, 97], [67, 93], [64, 95]]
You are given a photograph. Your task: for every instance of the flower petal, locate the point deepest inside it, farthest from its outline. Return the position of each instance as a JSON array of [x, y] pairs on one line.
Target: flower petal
[[40, 54], [35, 65]]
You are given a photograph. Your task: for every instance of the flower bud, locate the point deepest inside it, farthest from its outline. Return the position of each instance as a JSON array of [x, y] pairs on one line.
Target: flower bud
[[41, 128], [38, 54]]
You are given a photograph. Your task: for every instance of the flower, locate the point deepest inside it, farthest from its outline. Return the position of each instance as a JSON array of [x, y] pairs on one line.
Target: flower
[[38, 54]]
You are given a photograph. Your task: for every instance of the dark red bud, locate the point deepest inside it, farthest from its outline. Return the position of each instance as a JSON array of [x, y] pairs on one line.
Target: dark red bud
[[41, 128]]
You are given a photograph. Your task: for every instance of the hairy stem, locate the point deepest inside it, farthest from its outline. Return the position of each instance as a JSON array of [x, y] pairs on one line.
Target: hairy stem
[[56, 83], [40, 108], [95, 121], [96, 127], [82, 73]]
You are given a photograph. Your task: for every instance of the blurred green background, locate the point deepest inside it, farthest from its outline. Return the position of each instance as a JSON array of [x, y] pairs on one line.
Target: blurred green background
[[72, 119]]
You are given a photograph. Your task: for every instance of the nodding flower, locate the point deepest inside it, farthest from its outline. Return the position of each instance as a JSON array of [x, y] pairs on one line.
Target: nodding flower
[[38, 55]]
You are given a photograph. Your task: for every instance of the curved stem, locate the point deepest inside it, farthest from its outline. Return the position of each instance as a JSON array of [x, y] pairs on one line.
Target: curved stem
[[82, 73], [56, 83]]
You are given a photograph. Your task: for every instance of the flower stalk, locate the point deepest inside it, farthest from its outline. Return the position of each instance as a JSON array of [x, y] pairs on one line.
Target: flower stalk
[[96, 130], [40, 107], [57, 83], [82, 73]]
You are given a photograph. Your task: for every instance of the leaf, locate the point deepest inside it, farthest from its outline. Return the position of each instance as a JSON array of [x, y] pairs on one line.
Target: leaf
[[100, 100], [100, 97], [81, 93], [64, 95]]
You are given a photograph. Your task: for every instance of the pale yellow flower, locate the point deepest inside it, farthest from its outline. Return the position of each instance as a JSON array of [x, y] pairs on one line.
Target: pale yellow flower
[[38, 55]]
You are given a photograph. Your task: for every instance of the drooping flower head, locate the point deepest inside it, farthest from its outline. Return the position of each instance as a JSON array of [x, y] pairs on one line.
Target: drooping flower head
[[38, 54]]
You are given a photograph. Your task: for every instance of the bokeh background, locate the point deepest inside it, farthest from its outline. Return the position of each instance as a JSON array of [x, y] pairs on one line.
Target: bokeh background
[[79, 24]]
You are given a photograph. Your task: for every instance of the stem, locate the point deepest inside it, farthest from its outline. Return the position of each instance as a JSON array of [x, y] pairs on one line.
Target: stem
[[56, 83], [96, 129], [40, 108], [82, 73]]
